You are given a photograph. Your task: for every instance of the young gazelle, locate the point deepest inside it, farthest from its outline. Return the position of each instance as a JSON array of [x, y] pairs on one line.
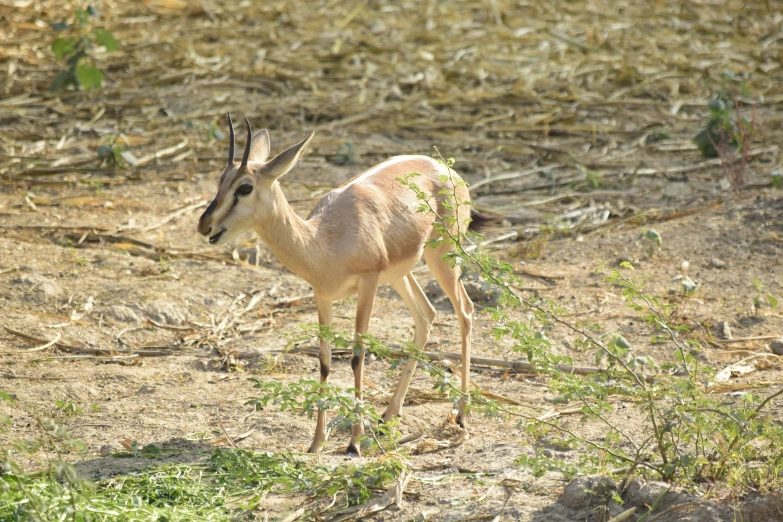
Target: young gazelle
[[366, 233]]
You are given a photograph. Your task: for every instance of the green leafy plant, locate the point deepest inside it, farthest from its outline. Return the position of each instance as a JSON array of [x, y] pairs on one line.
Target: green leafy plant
[[691, 436], [762, 296], [728, 136], [112, 154], [73, 48], [723, 127], [688, 436], [68, 408]]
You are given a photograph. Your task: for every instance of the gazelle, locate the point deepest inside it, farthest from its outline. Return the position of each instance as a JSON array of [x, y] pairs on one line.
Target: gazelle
[[365, 233]]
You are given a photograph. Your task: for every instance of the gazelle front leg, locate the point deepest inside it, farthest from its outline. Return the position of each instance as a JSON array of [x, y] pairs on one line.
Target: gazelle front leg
[[366, 299], [325, 359]]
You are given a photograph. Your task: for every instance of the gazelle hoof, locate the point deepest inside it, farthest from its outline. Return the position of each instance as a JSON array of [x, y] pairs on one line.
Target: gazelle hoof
[[386, 418]]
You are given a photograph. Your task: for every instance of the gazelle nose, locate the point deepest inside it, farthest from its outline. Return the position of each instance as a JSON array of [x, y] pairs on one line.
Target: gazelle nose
[[203, 227]]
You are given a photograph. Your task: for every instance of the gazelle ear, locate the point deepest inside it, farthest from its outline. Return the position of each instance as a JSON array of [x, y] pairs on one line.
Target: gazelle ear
[[259, 147], [284, 161]]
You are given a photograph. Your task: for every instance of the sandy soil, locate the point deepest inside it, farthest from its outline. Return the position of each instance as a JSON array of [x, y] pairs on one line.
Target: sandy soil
[[111, 260]]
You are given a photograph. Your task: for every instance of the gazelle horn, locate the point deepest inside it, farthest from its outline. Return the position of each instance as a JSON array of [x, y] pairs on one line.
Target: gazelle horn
[[231, 134], [246, 155]]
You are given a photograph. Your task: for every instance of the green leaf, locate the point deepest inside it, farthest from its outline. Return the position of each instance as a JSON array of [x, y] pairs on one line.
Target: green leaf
[[104, 151], [89, 77], [654, 236], [106, 39], [702, 140], [773, 301], [717, 104], [82, 16], [62, 47]]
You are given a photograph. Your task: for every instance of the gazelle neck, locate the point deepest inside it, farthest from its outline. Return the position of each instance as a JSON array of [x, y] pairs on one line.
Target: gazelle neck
[[291, 238]]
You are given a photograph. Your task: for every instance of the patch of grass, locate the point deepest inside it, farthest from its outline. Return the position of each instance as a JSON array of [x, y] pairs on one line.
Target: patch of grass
[[230, 485]]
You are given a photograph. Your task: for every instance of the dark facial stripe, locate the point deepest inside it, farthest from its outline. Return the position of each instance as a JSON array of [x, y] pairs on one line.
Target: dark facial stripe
[[208, 211]]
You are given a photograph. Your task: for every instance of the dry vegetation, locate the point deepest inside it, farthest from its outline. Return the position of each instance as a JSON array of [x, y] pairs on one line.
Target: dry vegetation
[[573, 120]]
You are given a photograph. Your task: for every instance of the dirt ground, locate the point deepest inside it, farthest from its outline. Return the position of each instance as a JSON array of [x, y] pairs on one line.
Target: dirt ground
[[560, 98]]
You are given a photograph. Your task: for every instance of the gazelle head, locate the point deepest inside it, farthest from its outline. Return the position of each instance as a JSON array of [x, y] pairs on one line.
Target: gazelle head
[[245, 191]]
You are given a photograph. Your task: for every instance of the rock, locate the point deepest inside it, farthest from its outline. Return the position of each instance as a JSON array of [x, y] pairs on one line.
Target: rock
[[433, 290], [145, 389], [124, 314], [164, 311], [763, 508], [641, 493], [583, 492], [479, 293], [717, 263], [749, 321], [776, 346], [41, 287], [482, 293]]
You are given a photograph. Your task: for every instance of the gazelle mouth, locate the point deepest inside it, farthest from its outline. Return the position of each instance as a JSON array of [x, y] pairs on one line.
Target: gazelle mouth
[[214, 239]]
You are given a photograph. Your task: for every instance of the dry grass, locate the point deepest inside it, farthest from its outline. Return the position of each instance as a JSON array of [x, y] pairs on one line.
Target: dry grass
[[506, 87]]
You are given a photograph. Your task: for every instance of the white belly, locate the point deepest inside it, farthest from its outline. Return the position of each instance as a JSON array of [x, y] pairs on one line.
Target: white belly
[[350, 286]]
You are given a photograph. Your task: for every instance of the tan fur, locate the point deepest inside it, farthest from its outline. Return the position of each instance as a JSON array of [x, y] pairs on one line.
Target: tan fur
[[365, 233]]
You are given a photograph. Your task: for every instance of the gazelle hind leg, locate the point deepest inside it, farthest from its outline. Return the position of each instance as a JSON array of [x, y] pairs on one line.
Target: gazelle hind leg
[[423, 316], [448, 279]]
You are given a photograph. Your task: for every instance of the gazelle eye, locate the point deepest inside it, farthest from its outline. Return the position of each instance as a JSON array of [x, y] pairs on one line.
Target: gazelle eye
[[245, 189]]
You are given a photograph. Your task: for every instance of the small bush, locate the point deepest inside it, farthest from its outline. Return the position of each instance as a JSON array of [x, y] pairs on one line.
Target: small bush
[[80, 37]]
